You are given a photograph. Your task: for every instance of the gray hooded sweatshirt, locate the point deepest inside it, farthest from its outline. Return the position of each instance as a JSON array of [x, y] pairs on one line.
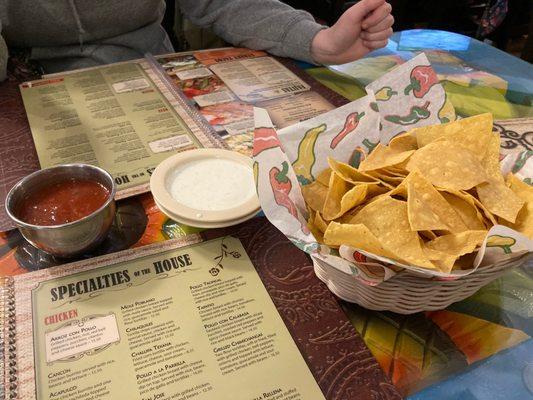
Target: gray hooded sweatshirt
[[69, 34]]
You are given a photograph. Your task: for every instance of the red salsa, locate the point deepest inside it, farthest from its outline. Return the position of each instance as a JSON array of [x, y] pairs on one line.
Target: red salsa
[[63, 202]]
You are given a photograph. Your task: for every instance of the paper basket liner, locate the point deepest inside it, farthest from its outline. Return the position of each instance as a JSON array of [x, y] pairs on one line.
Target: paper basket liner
[[407, 97]]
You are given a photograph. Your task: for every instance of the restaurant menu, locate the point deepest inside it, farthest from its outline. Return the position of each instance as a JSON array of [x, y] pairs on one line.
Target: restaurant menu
[[123, 117], [225, 84], [257, 79], [114, 117], [162, 323]]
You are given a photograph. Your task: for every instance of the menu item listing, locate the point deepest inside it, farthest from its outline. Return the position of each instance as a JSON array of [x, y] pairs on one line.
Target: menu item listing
[[258, 79], [189, 323], [114, 117], [290, 110]]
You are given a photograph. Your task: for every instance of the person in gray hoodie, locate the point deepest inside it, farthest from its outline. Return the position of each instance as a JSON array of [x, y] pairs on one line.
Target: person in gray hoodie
[[69, 34]]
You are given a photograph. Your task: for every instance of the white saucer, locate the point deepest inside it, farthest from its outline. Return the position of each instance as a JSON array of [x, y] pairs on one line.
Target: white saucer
[[206, 225], [159, 185]]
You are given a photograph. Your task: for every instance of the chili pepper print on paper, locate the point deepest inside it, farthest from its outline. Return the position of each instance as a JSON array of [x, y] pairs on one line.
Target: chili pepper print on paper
[[306, 155], [423, 77], [352, 121], [277, 183], [503, 242], [281, 187], [416, 113], [521, 161], [264, 139], [410, 95], [447, 112], [385, 93], [360, 152]]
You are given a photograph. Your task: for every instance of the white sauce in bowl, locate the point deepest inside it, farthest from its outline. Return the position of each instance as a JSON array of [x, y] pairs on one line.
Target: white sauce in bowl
[[212, 184]]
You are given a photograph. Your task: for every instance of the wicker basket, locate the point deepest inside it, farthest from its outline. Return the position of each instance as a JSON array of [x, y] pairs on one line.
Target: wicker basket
[[406, 293]]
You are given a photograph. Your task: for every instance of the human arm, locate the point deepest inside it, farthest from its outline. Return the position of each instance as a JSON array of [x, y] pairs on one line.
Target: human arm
[[258, 24], [281, 30]]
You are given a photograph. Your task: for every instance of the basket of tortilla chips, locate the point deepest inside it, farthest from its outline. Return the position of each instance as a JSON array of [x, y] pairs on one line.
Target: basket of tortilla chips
[[413, 224]]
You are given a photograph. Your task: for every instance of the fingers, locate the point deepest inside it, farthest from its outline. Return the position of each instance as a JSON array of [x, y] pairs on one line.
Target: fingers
[[360, 10], [377, 15], [382, 25], [375, 44], [376, 36]]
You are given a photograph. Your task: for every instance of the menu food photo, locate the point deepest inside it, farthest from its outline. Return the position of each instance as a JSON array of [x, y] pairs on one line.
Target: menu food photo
[[293, 197]]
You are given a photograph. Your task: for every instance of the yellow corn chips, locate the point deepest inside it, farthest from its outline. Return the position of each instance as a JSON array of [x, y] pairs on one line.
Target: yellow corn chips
[[427, 199]]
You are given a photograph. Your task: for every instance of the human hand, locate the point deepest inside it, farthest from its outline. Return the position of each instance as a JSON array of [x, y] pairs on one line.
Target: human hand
[[364, 27]]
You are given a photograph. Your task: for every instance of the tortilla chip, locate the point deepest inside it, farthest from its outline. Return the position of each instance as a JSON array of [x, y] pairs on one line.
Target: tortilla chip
[[314, 195], [387, 179], [524, 220], [342, 196], [389, 176], [352, 198], [473, 133], [348, 216], [447, 165], [319, 236], [320, 223], [444, 262], [399, 192], [429, 235], [324, 176], [426, 200], [387, 185], [458, 243], [500, 200], [378, 197], [338, 187], [387, 219], [403, 142], [491, 160], [382, 157], [393, 171], [427, 209], [465, 261], [490, 219], [467, 211], [520, 188], [451, 247], [354, 235], [349, 173]]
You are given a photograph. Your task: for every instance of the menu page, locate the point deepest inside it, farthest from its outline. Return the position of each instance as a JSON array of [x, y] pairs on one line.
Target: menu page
[[114, 117], [257, 79], [224, 84], [188, 323], [293, 109]]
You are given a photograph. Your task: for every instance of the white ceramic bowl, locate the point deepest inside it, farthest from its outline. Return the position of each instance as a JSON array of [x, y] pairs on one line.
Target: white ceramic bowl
[[160, 185]]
